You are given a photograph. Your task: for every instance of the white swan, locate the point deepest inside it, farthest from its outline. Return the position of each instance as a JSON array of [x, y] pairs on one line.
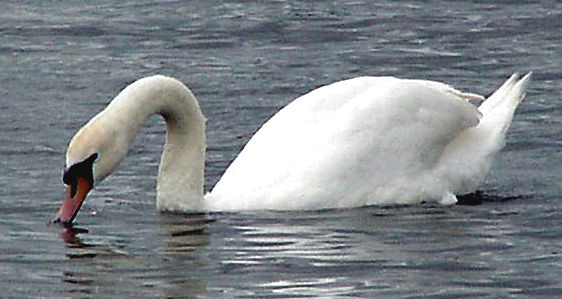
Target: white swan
[[363, 141]]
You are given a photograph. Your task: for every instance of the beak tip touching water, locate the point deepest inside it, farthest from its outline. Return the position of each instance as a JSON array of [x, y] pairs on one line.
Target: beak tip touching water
[[68, 211], [75, 196]]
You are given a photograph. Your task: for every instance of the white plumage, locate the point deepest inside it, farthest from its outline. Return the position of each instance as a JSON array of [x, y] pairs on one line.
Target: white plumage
[[370, 140]]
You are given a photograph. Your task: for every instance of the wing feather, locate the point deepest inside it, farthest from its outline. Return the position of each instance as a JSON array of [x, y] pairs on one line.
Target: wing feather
[[367, 131]]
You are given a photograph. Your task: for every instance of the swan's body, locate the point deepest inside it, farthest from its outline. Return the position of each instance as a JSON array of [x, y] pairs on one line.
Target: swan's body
[[363, 141]]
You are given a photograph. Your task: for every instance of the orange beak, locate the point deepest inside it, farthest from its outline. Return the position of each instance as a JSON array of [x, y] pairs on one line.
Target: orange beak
[[75, 195]]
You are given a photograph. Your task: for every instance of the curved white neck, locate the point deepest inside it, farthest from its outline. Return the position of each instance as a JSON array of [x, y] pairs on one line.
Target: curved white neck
[[181, 172]]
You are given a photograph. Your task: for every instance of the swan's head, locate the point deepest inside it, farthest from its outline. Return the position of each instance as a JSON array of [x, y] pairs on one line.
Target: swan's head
[[92, 155], [99, 146]]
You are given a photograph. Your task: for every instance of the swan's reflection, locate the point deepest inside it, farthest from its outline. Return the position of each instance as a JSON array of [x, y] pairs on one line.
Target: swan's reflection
[[184, 233], [70, 236], [73, 241], [162, 257], [185, 239]]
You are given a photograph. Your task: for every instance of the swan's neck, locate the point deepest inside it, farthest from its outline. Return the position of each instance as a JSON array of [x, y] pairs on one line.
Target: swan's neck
[[181, 171]]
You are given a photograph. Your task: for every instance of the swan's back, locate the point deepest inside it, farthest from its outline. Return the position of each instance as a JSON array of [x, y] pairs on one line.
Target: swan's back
[[368, 140]]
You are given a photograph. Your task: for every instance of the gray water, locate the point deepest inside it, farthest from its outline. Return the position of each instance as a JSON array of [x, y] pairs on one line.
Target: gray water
[[62, 62]]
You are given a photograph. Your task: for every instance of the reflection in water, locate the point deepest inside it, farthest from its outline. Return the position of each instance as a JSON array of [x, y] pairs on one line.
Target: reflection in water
[[70, 237], [186, 266], [173, 268], [369, 252], [183, 233]]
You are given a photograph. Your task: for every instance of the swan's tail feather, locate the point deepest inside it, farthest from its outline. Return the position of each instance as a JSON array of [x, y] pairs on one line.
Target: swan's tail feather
[[468, 158], [499, 108], [512, 90]]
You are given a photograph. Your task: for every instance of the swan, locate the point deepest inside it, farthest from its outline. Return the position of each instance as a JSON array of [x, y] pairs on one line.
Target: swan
[[361, 141]]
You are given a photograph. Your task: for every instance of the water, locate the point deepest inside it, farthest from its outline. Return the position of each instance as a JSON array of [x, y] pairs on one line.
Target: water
[[245, 60]]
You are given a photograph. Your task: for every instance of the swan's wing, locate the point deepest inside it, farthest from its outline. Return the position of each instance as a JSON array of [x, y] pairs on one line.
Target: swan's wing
[[343, 140]]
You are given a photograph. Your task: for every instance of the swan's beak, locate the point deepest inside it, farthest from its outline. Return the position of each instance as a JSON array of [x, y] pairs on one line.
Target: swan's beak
[[75, 195]]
